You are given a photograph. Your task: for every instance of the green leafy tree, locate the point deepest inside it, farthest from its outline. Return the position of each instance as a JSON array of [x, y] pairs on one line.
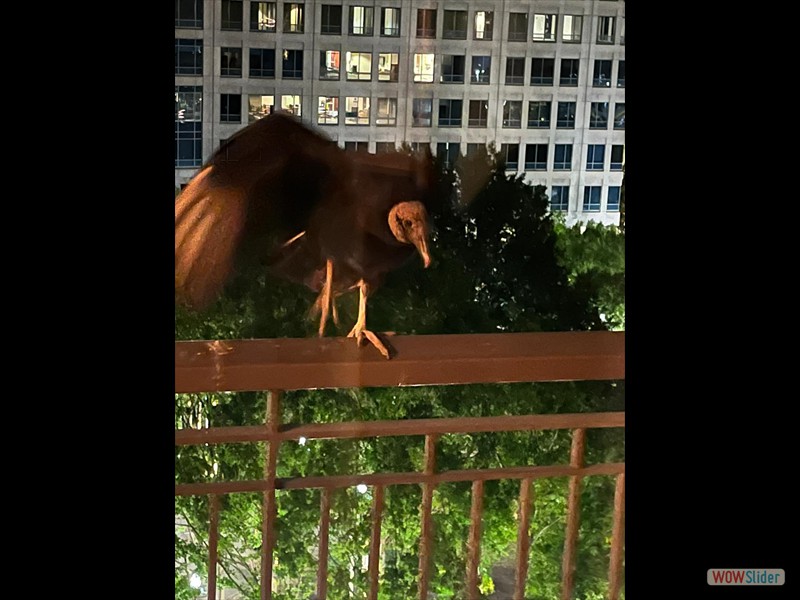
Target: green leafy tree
[[501, 264]]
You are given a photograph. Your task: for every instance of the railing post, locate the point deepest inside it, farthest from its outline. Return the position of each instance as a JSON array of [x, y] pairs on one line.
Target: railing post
[[426, 533], [269, 509], [213, 537], [474, 541], [617, 540], [573, 515], [523, 537], [375, 541], [324, 533]]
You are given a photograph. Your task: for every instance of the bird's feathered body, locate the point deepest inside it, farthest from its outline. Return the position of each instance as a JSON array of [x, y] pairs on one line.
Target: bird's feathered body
[[282, 193]]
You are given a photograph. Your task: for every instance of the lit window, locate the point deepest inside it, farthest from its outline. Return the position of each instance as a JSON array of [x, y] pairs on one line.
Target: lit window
[[328, 110], [292, 103], [359, 66], [388, 66], [423, 68], [483, 25], [293, 17], [390, 22], [387, 111], [422, 112], [481, 69], [605, 30], [562, 157], [559, 197], [544, 28], [329, 62], [262, 63], [512, 114], [263, 16], [591, 198], [356, 110], [361, 19], [572, 28], [539, 114], [260, 107]]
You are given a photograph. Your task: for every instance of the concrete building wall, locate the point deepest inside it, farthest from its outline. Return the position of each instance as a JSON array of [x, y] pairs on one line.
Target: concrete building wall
[[311, 42]]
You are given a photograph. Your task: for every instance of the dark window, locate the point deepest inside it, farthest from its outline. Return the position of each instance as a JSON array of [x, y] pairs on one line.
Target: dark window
[[385, 147], [481, 69], [293, 18], [331, 19], [453, 68], [621, 74], [518, 27], [189, 14], [542, 71], [535, 157], [565, 119], [515, 70], [449, 151], [231, 65], [455, 25], [562, 158], [232, 15], [539, 114], [512, 114], [361, 20], [422, 112], [483, 25], [450, 112], [262, 62], [595, 157], [390, 22], [478, 113], [613, 198], [263, 16], [188, 57], [292, 64], [559, 197], [329, 64], [617, 157], [509, 153], [602, 73], [426, 22], [230, 110], [475, 149], [591, 198], [569, 71], [619, 115], [357, 146], [598, 117]]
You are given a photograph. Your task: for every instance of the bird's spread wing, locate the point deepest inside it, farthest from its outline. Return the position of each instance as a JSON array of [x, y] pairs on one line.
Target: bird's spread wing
[[259, 188]]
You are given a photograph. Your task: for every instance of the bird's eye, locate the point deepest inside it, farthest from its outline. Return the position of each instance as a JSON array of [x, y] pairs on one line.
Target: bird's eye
[[407, 223]]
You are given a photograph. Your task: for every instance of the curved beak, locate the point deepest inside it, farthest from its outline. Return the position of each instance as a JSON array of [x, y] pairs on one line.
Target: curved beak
[[422, 247]]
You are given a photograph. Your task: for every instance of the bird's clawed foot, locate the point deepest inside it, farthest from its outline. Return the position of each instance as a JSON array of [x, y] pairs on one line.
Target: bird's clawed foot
[[360, 333]]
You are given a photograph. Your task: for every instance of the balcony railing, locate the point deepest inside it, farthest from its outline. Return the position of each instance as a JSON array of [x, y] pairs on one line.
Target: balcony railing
[[292, 364]]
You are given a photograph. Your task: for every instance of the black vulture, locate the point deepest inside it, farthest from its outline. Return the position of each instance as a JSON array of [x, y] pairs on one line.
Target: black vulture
[[330, 219]]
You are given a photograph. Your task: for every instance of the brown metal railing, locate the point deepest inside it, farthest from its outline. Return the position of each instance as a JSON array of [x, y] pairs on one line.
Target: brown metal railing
[[289, 364]]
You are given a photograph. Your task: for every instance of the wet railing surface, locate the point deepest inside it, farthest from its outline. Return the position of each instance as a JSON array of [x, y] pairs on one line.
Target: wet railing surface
[[275, 365]]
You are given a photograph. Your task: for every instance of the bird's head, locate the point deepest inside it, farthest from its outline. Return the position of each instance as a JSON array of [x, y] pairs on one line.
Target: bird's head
[[409, 224]]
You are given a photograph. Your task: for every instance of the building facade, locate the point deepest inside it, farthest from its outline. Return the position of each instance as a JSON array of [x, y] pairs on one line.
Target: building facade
[[542, 80]]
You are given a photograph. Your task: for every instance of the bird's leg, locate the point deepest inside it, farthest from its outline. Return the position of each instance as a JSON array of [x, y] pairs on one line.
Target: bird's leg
[[360, 330], [325, 296]]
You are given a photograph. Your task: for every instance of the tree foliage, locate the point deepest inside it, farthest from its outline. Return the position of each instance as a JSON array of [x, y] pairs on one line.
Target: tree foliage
[[502, 262]]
